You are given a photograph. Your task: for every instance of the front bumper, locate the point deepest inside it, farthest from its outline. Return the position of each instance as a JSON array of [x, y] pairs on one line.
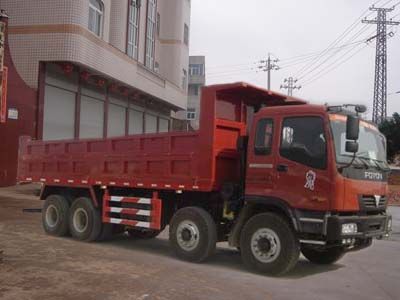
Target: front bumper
[[372, 226]]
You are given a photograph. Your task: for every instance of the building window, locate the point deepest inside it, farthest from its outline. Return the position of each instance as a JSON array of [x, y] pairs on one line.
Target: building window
[[196, 70], [133, 28], [96, 16], [186, 35], [194, 90], [191, 114], [184, 80], [151, 33]]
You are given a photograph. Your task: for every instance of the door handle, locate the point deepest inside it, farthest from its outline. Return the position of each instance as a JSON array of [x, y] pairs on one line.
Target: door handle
[[282, 168]]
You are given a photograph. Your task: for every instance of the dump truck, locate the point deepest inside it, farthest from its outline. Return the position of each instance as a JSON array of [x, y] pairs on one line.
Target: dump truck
[[272, 175]]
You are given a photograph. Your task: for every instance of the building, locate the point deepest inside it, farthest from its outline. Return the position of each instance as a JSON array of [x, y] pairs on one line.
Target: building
[[91, 69], [197, 79]]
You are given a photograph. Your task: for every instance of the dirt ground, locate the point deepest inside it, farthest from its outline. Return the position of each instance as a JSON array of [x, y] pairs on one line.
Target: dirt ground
[[37, 266]]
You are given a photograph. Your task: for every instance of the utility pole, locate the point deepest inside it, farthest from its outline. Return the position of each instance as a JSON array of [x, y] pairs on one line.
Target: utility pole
[[268, 66], [380, 89], [289, 85]]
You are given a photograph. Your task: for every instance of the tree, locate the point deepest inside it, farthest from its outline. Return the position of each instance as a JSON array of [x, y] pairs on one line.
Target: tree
[[391, 129]]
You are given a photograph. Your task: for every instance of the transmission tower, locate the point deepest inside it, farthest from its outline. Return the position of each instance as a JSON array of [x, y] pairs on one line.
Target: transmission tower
[[289, 85], [268, 66], [380, 90]]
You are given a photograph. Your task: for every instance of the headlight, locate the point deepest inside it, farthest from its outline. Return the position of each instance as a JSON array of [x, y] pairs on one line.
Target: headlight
[[389, 225], [350, 228]]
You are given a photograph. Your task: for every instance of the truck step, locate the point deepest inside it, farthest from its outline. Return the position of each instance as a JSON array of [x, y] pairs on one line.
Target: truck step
[[133, 211]]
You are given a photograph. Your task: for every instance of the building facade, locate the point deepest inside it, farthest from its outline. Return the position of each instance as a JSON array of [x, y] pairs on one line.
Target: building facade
[[91, 69]]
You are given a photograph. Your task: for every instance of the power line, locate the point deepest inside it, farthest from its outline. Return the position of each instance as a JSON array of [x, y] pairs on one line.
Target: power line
[[328, 58], [335, 42], [335, 66]]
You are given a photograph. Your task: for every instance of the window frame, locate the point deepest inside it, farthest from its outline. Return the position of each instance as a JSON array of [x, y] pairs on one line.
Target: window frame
[[192, 112], [98, 13], [196, 70], [324, 164], [261, 130], [134, 27], [151, 24]]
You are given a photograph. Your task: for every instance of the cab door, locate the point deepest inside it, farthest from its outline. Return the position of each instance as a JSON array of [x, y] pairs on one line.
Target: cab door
[[302, 178], [261, 159]]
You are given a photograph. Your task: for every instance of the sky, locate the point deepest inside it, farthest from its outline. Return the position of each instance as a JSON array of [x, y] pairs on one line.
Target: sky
[[235, 35]]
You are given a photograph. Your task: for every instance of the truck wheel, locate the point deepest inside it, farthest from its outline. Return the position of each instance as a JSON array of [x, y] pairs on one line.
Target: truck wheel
[[145, 234], [269, 245], [55, 215], [324, 256], [193, 234], [84, 220]]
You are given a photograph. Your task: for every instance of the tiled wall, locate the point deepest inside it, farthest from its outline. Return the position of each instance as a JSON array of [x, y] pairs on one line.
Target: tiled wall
[[56, 30]]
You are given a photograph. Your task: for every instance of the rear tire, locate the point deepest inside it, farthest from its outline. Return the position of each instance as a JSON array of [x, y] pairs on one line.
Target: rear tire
[[193, 234], [323, 257], [55, 215], [269, 245], [84, 220], [144, 234]]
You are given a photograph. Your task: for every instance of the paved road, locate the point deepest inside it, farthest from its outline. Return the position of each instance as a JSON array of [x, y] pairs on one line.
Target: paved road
[[40, 267]]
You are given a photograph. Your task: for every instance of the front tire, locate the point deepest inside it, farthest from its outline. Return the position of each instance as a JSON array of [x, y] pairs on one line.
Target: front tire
[[325, 256], [55, 215], [269, 245], [193, 234], [84, 220]]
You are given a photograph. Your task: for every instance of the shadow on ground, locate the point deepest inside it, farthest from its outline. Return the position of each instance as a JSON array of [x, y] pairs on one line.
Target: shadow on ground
[[224, 257]]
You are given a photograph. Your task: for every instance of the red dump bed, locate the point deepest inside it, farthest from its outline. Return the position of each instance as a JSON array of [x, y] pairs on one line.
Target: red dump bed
[[200, 160]]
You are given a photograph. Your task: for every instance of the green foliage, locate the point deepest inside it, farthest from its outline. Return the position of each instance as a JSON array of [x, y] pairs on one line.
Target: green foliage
[[391, 129]]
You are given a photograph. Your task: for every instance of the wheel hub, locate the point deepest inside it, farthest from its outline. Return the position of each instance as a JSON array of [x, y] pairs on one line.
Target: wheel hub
[[188, 235], [265, 245], [80, 220], [52, 216]]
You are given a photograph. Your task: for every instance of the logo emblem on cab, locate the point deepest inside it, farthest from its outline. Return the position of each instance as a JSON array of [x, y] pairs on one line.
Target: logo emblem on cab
[[377, 200]]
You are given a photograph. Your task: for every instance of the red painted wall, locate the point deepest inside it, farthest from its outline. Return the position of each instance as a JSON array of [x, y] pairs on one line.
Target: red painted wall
[[24, 99]]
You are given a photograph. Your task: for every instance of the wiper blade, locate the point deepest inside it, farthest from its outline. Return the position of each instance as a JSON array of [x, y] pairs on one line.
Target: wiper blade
[[363, 162]]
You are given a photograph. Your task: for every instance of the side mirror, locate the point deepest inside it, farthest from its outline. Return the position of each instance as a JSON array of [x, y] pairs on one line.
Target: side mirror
[[352, 147], [353, 128]]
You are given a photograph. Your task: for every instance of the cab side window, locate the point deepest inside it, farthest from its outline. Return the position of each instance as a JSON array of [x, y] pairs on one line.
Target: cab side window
[[303, 140], [264, 136]]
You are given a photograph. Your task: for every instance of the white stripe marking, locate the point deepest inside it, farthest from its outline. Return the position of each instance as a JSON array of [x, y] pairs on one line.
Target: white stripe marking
[[141, 212], [56, 180], [140, 201]]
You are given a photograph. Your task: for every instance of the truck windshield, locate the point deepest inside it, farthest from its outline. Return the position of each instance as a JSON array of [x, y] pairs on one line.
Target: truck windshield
[[372, 144]]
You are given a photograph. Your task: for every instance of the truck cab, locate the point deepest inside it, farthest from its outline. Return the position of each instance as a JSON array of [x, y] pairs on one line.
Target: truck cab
[[329, 180]]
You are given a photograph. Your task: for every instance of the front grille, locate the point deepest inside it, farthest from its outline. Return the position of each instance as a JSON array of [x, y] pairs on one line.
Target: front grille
[[370, 203]]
